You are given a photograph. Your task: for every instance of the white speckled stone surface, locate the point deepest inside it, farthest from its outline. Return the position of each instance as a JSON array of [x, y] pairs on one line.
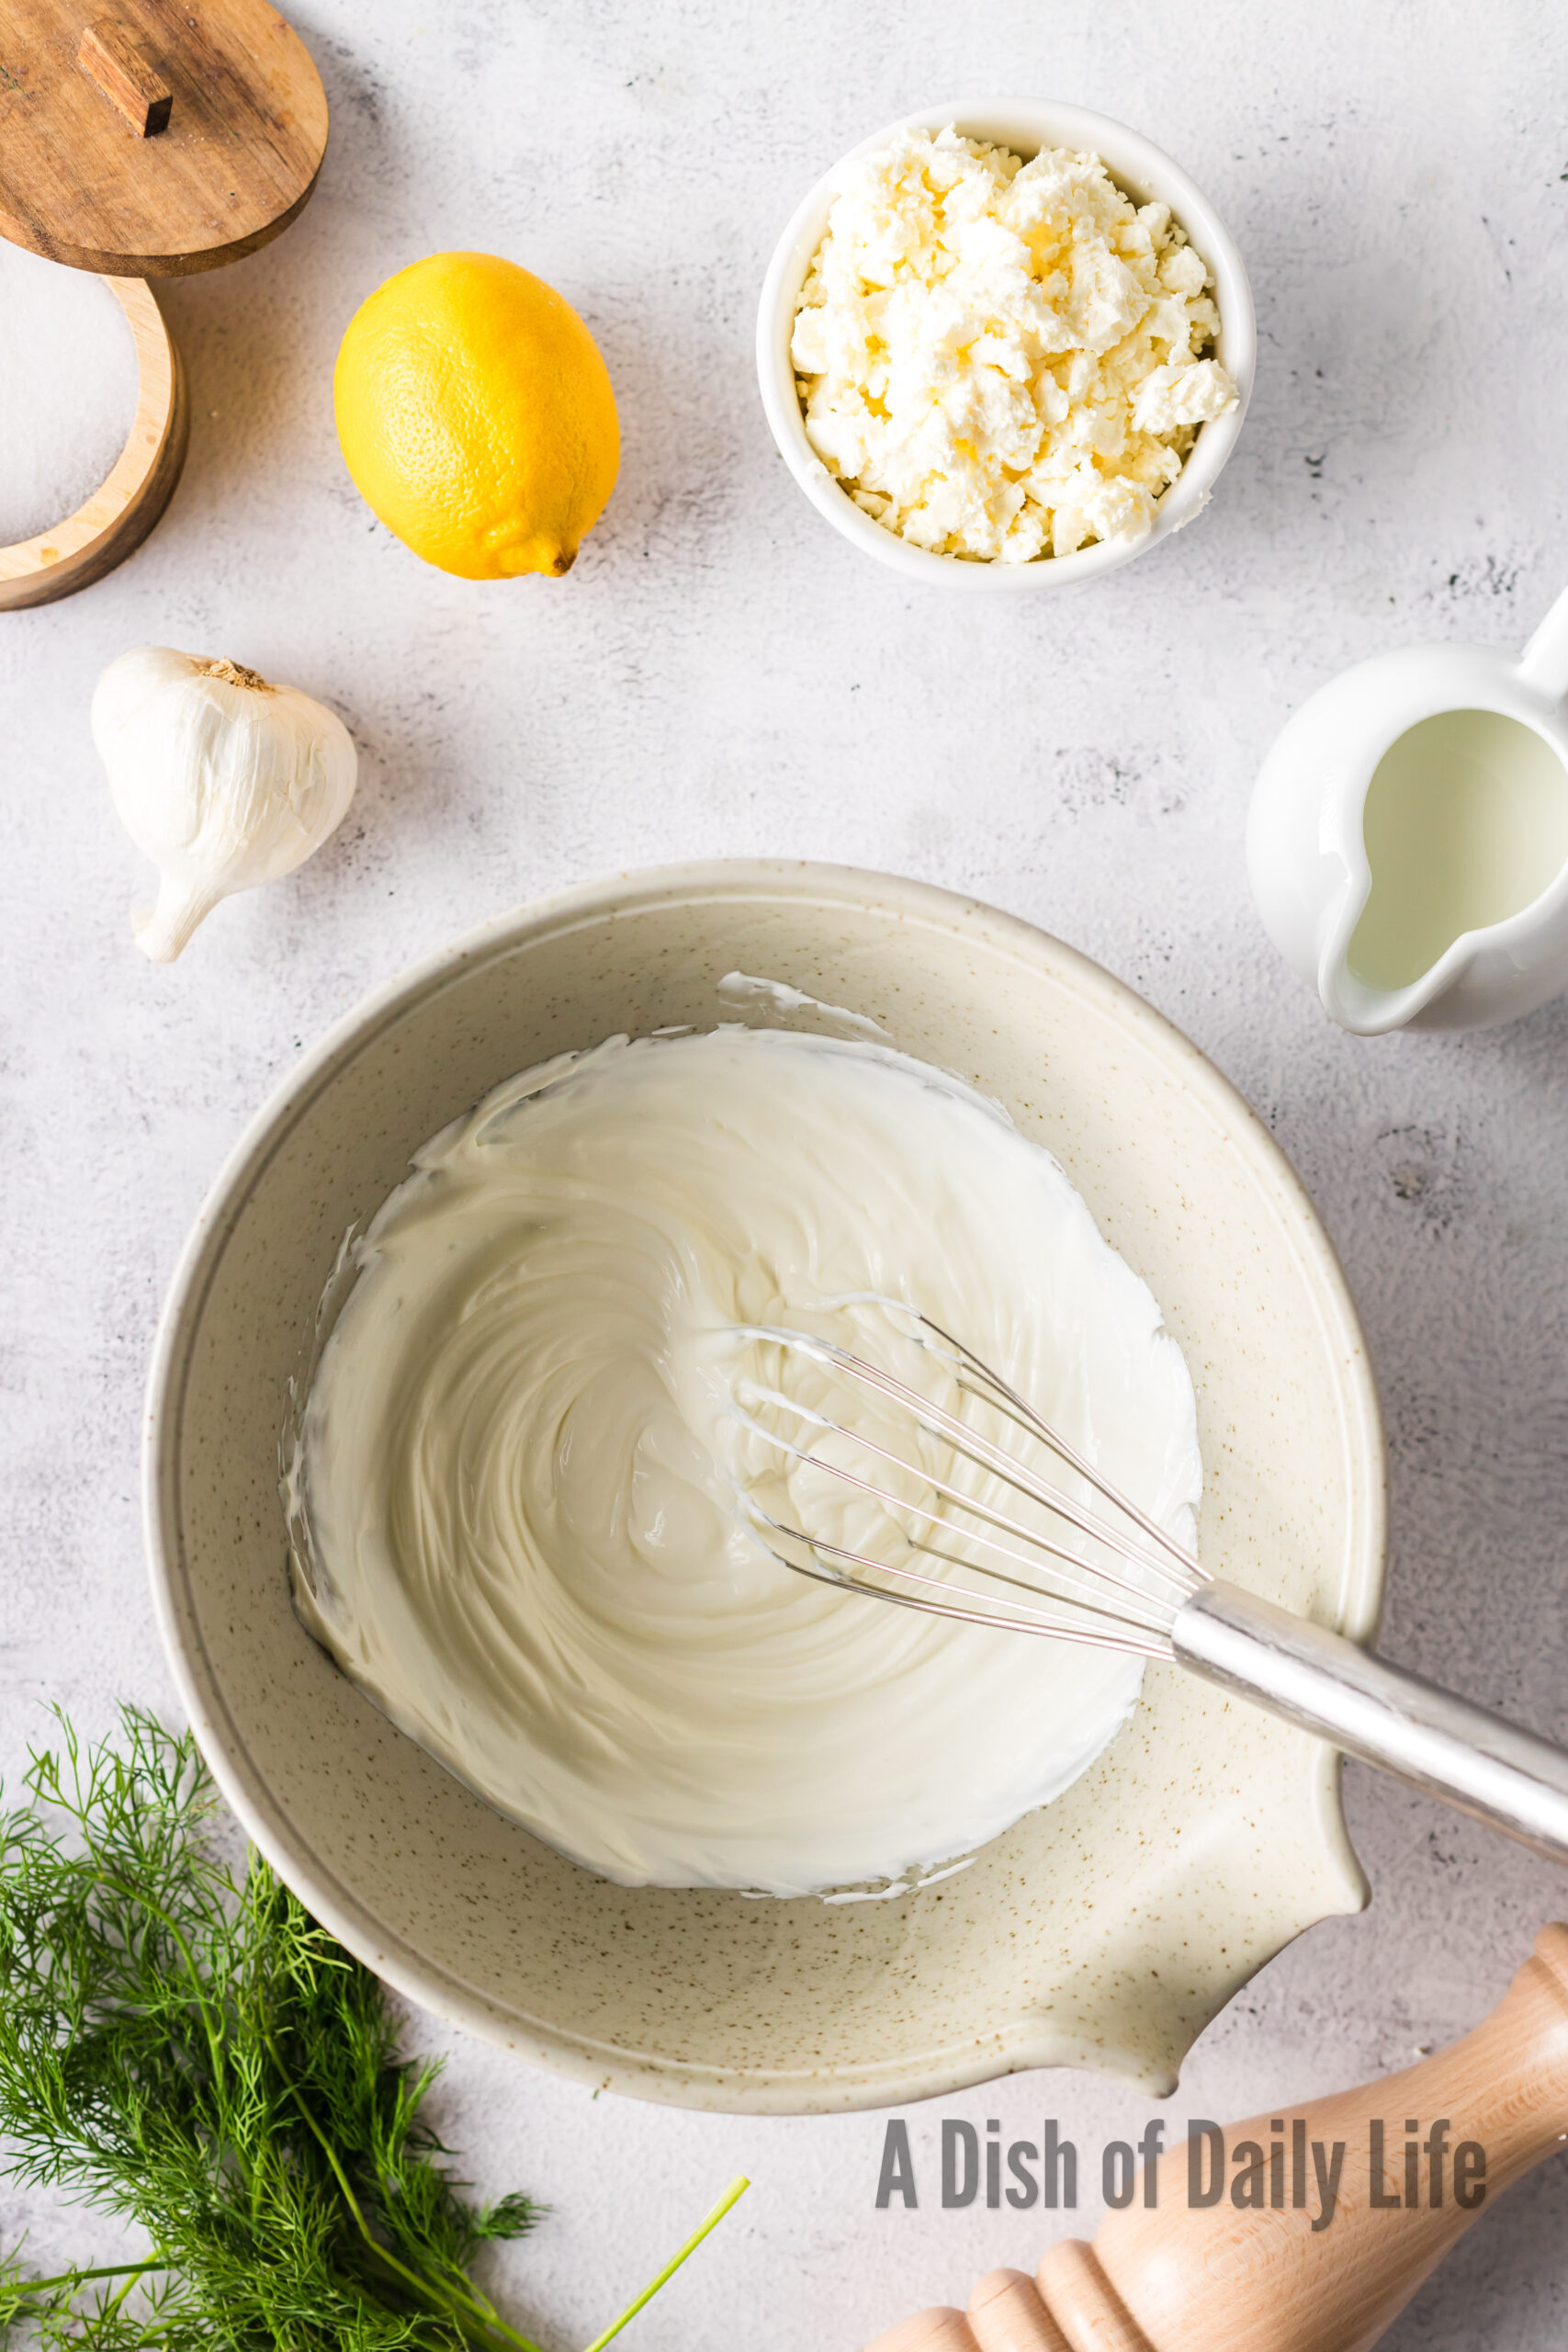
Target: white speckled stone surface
[[721, 674]]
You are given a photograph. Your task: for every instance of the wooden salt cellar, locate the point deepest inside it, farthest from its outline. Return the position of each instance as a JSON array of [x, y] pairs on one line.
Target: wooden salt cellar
[[124, 507], [1175, 2279], [168, 137]]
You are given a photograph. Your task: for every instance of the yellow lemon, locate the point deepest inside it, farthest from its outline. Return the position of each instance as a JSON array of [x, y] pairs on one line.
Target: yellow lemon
[[475, 416]]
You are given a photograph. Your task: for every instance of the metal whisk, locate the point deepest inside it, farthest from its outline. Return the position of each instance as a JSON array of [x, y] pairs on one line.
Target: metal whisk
[[1127, 1585]]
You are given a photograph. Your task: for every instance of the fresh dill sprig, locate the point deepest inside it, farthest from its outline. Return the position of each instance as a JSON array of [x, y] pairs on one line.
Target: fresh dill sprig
[[190, 2051]]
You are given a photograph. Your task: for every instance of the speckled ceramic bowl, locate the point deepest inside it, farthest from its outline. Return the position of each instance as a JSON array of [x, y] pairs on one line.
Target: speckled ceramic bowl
[[1104, 1930], [1141, 171]]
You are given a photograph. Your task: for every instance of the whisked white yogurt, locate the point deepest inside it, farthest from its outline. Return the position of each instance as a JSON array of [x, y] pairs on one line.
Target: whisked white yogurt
[[518, 1459]]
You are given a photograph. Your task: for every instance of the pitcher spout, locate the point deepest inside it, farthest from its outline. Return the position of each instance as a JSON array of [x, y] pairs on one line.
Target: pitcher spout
[[1367, 1010]]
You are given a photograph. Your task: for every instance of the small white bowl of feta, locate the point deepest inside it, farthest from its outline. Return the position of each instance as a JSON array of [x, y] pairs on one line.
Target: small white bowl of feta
[[1005, 344]]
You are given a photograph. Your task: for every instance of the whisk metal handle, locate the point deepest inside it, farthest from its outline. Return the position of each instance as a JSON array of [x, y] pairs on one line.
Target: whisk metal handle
[[1428, 1738]]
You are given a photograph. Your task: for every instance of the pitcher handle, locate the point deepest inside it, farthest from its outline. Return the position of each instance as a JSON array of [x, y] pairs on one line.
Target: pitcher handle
[[1545, 660]]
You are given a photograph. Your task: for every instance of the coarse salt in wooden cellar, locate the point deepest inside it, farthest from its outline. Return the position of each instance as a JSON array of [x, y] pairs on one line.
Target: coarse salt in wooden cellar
[[159, 139]]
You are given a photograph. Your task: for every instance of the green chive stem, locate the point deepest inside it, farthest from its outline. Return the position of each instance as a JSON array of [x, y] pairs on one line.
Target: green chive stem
[[732, 2196]]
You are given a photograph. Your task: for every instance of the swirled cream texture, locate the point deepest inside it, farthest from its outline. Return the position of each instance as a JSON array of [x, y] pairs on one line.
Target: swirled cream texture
[[519, 1461]]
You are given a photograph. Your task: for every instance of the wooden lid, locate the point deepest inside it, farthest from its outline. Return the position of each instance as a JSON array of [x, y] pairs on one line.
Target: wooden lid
[[165, 137]]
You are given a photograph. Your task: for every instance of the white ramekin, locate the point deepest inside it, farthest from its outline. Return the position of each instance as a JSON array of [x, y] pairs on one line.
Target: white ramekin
[[1024, 125]]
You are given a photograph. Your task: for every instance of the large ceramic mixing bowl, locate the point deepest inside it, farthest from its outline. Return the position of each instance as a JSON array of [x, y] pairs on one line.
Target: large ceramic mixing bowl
[[1104, 1930]]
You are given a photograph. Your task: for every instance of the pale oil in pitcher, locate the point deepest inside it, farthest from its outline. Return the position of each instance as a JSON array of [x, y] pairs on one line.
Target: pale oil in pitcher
[[1465, 823]]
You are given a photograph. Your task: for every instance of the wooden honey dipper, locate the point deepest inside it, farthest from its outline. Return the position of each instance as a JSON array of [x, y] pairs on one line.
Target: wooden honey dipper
[[1176, 2278]]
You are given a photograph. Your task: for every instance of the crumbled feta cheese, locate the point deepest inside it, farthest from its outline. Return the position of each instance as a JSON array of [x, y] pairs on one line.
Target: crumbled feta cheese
[[1003, 360]]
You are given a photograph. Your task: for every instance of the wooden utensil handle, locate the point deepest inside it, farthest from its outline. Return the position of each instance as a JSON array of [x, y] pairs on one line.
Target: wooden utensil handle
[[122, 69], [1242, 2276]]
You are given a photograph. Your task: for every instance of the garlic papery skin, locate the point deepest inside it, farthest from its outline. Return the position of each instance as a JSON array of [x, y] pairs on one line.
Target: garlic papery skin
[[223, 779]]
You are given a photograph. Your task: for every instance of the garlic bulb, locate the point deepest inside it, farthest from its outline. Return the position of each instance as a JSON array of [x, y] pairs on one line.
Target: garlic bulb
[[224, 780]]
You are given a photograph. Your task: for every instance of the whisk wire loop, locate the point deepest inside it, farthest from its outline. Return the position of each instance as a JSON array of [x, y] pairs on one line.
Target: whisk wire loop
[[1125, 1614], [1190, 1570], [1056, 1629], [1085, 1598], [985, 1455]]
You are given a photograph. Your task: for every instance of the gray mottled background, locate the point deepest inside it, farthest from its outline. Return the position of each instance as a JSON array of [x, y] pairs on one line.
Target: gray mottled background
[[722, 674]]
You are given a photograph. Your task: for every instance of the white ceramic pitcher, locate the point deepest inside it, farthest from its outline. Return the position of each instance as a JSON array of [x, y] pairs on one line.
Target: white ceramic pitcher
[[1407, 842]]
